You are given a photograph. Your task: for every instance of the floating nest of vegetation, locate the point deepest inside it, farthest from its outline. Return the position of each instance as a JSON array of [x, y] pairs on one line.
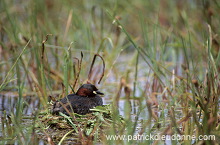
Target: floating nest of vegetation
[[75, 128]]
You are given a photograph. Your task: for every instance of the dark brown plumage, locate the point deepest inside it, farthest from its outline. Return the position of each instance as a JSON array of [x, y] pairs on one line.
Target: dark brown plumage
[[81, 102]]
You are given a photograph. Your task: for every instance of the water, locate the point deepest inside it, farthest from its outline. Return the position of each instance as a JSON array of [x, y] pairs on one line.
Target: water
[[9, 101]]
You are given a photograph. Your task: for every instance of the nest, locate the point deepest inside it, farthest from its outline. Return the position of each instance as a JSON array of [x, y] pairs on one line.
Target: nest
[[75, 127]]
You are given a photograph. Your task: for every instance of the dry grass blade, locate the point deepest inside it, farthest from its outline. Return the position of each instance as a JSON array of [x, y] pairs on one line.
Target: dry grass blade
[[79, 69], [93, 62], [43, 45]]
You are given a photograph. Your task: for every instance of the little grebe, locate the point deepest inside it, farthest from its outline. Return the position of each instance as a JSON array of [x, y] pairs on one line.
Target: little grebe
[[81, 102]]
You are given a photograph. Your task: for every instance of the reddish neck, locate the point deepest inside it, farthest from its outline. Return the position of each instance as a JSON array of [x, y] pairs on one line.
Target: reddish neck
[[84, 92]]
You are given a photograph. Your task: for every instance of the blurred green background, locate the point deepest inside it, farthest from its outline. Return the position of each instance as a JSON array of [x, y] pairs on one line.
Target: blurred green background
[[161, 62]]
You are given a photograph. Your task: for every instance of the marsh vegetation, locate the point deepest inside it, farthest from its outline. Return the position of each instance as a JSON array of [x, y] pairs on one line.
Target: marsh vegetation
[[161, 74]]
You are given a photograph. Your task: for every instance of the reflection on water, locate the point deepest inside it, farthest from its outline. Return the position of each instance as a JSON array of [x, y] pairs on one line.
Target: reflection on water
[[8, 103]]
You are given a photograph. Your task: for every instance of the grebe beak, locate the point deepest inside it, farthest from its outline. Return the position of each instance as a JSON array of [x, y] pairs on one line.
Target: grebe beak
[[98, 92]]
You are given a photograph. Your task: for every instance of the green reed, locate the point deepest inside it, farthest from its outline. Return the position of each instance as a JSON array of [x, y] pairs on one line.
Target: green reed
[[171, 74]]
